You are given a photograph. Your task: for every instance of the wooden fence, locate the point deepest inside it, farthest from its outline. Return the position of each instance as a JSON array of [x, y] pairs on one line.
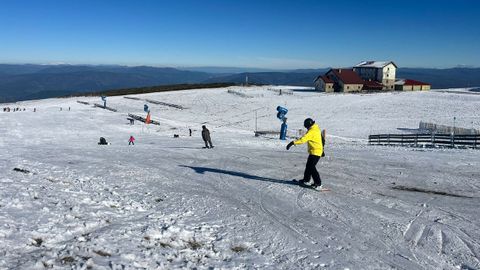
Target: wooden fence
[[134, 98], [103, 107], [431, 140], [435, 128], [165, 104], [142, 119]]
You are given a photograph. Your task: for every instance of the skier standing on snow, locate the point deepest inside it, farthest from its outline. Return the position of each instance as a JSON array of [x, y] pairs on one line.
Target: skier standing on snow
[[131, 140], [206, 137], [315, 149]]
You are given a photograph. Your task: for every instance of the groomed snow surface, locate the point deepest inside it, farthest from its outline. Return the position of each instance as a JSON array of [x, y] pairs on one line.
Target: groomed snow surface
[[166, 203]]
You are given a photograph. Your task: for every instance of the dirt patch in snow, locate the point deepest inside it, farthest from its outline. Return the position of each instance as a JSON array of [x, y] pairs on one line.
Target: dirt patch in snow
[[415, 189]]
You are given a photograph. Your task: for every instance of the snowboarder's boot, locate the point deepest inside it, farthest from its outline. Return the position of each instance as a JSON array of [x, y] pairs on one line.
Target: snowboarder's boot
[[303, 182]]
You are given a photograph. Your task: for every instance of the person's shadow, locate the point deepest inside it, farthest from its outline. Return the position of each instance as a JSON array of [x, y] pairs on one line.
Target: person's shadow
[[202, 170]]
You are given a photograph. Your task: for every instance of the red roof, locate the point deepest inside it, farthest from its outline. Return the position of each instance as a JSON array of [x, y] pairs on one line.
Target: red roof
[[325, 79], [413, 82], [347, 76], [372, 85]]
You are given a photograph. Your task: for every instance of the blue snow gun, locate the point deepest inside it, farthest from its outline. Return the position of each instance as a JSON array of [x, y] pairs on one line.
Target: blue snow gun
[[281, 112], [104, 99], [282, 116], [145, 108]]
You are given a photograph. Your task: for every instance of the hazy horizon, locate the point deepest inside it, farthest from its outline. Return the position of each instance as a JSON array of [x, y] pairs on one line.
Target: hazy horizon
[[221, 67]]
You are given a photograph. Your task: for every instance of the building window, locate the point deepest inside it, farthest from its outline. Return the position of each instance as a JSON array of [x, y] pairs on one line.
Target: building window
[[348, 87]]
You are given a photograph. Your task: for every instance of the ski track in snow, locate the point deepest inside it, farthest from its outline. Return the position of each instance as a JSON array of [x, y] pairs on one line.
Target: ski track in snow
[[166, 203]]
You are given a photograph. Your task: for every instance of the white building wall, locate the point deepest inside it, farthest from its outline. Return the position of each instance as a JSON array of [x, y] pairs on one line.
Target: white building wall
[[385, 75], [388, 72]]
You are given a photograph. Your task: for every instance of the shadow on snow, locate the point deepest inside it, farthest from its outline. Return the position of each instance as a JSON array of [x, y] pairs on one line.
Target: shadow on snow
[[202, 170]]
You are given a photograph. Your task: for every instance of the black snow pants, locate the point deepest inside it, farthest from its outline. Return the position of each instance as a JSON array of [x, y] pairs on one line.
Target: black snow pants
[[208, 141], [311, 171]]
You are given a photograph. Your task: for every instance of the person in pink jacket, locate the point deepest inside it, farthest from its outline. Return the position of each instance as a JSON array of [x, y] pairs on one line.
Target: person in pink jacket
[[131, 140]]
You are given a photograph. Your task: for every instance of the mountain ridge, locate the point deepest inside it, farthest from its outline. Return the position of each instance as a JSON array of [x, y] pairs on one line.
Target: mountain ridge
[[24, 81]]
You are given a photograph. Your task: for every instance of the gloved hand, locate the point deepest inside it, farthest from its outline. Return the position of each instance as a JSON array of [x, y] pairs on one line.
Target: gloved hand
[[289, 145]]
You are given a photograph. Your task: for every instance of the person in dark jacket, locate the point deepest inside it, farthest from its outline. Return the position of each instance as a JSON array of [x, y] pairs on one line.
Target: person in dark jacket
[[102, 141], [206, 137]]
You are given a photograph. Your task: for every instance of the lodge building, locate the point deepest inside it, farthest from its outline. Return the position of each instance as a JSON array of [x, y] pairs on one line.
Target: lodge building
[[366, 76]]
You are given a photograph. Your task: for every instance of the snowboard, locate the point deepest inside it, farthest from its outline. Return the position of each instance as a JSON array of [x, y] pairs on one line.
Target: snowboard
[[309, 187]]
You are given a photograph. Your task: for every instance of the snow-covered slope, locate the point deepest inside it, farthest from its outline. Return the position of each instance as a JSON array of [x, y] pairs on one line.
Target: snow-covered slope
[[166, 203]]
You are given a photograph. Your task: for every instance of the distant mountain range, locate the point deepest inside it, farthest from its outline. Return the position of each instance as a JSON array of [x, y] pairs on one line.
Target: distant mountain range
[[438, 78], [20, 82], [29, 81]]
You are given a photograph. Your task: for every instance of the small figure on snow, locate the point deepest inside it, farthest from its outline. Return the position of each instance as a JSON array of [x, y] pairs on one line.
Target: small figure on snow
[[102, 141], [131, 140], [190, 131], [206, 137], [315, 149]]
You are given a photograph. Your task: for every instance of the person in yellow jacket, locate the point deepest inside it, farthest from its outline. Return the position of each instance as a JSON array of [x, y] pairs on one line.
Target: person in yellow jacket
[[315, 150]]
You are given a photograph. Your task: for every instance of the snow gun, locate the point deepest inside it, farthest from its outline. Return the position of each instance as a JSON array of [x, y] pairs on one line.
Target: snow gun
[[104, 99], [281, 115]]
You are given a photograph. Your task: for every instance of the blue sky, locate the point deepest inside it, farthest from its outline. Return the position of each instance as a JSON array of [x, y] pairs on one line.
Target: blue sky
[[268, 34]]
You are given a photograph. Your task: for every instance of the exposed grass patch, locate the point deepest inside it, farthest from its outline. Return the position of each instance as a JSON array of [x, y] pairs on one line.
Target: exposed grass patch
[[194, 244], [21, 170], [67, 259], [102, 253], [165, 245], [238, 249], [153, 89], [421, 190]]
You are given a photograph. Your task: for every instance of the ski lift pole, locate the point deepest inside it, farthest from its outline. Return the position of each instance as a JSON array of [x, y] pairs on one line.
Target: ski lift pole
[[256, 119], [281, 115], [283, 129]]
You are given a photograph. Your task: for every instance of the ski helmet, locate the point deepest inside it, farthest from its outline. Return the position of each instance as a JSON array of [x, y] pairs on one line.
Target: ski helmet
[[308, 123]]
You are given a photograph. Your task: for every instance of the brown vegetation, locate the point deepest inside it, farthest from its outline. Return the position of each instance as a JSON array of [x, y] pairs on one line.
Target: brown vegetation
[[153, 89]]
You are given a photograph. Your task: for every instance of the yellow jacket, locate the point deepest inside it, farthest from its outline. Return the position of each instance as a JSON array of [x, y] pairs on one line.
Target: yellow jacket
[[314, 139]]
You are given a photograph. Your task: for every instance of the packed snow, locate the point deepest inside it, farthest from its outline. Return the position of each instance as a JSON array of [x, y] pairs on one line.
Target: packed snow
[[167, 203]]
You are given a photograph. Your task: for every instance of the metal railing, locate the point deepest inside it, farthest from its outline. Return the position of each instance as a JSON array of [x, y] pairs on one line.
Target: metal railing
[[433, 140]]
